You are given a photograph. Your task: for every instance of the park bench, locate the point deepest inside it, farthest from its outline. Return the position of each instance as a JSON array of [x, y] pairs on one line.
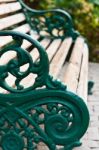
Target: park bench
[[37, 111]]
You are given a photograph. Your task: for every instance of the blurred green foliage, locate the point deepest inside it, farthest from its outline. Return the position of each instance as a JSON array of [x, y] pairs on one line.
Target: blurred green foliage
[[85, 14]]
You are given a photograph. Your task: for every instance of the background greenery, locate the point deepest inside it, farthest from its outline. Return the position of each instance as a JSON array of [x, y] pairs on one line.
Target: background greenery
[[85, 14]]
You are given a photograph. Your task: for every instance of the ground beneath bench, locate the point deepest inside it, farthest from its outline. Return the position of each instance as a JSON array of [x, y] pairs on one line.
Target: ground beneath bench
[[91, 139]]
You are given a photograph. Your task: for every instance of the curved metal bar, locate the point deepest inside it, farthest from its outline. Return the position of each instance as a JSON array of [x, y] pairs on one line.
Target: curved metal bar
[[23, 112], [63, 114], [55, 23], [40, 68], [46, 11]]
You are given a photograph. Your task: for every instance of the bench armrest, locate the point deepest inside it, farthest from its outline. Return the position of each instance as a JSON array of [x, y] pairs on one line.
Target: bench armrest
[[39, 67], [51, 115], [55, 23]]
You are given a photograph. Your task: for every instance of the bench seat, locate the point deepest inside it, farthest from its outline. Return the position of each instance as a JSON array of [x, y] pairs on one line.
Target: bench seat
[[61, 68], [68, 59], [73, 68]]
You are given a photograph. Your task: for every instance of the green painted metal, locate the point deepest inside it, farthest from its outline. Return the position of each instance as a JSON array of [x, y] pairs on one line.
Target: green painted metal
[[44, 112], [90, 87], [55, 23]]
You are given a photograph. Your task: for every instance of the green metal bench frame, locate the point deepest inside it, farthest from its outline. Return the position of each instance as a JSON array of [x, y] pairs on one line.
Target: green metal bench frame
[[47, 102], [49, 20]]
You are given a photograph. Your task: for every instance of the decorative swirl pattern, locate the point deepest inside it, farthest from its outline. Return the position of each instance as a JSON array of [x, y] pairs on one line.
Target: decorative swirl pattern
[[52, 23], [23, 57], [61, 122], [55, 118], [41, 68], [52, 115], [12, 141], [56, 127]]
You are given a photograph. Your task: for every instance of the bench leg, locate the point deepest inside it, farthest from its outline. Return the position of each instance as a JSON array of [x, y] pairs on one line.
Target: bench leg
[[90, 87]]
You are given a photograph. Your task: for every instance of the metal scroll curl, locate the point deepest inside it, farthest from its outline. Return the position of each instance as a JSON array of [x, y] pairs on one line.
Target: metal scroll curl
[[54, 23], [40, 68], [57, 119], [51, 116]]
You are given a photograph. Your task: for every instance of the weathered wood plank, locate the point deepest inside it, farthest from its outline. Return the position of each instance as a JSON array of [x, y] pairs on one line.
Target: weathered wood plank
[[35, 55], [7, 1], [24, 29], [82, 89], [9, 8], [58, 60], [73, 69], [53, 48], [11, 20]]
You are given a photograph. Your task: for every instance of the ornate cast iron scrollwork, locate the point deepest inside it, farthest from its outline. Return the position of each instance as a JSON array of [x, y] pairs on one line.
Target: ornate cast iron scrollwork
[[54, 23], [41, 68], [31, 116]]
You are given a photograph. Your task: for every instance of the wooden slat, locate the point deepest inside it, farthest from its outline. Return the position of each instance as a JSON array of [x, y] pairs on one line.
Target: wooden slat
[[29, 80], [12, 54], [9, 8], [34, 53], [24, 29], [82, 89], [60, 57], [4, 60], [11, 20], [7, 1], [73, 69], [52, 49]]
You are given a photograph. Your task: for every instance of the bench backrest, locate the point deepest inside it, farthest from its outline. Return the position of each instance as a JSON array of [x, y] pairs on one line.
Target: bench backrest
[[52, 23]]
